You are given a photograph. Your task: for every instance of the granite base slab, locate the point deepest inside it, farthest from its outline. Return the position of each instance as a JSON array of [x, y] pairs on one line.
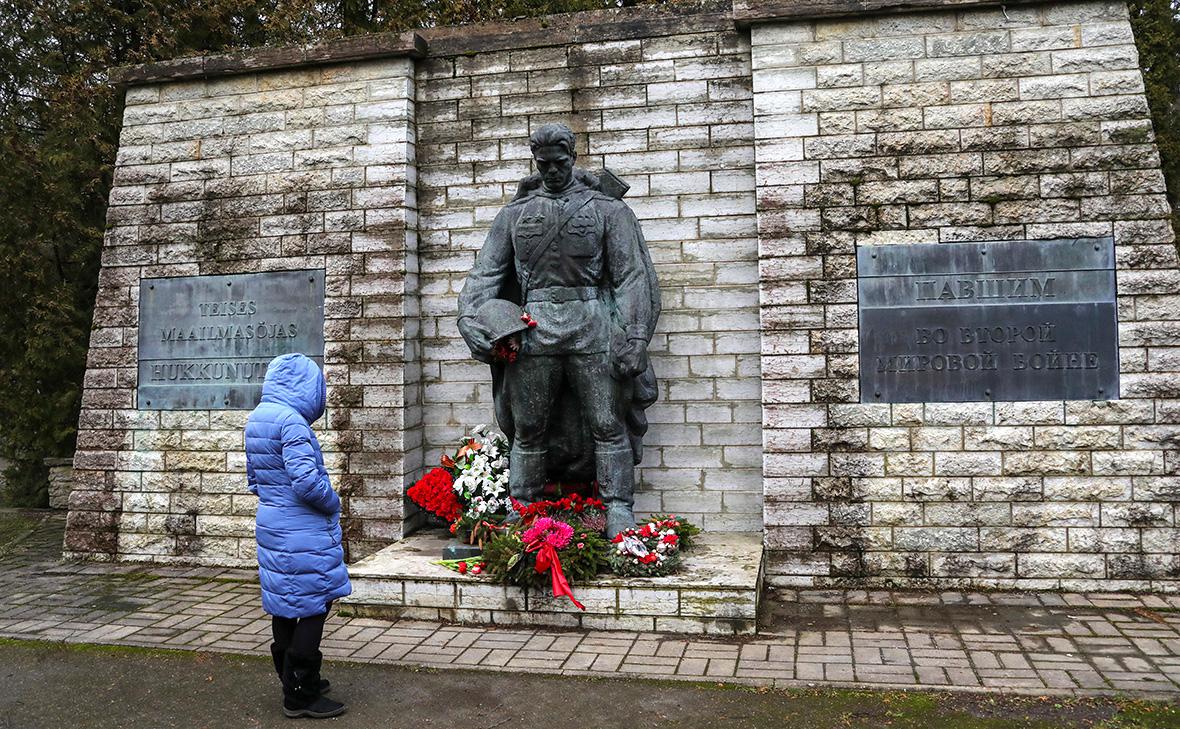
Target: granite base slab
[[715, 591]]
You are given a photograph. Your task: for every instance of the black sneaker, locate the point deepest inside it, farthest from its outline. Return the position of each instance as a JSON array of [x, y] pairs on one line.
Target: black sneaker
[[321, 708]]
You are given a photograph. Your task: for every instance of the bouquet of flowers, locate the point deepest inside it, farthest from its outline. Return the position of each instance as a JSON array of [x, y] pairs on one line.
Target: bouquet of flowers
[[481, 473], [506, 350], [588, 513], [468, 566], [435, 493], [524, 554], [469, 489], [652, 549]]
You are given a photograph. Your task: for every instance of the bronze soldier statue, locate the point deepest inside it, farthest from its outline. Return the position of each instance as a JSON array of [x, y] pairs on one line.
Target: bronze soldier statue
[[573, 257]]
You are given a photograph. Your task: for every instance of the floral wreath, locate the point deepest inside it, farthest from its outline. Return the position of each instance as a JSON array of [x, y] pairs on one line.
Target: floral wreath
[[653, 549]]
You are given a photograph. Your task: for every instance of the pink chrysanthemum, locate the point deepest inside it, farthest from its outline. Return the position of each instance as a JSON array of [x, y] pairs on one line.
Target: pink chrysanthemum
[[553, 532]]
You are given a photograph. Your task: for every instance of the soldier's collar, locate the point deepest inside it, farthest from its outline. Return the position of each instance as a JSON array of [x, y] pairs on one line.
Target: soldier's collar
[[571, 189]]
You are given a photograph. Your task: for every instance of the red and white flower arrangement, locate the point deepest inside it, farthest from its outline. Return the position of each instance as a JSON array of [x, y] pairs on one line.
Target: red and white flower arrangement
[[652, 549], [470, 489], [553, 541], [481, 473]]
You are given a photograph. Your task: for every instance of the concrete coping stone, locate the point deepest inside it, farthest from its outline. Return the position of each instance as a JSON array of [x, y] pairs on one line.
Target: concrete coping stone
[[750, 12], [355, 48]]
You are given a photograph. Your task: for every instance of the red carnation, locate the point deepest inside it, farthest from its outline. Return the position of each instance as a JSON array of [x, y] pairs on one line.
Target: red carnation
[[462, 566], [435, 493]]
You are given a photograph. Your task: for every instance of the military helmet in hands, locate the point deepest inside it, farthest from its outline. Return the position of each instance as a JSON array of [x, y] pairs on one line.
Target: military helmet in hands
[[501, 318]]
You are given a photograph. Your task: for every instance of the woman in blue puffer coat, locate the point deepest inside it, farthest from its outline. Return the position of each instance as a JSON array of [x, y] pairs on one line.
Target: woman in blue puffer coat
[[300, 555]]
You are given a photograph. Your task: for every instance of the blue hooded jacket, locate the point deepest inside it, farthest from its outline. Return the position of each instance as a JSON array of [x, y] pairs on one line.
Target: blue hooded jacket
[[300, 555]]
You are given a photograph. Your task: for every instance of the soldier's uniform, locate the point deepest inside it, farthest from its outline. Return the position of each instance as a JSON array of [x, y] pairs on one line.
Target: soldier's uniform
[[590, 291]]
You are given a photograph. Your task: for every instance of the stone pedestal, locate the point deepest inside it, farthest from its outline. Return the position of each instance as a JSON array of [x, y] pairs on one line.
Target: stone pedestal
[[716, 591]]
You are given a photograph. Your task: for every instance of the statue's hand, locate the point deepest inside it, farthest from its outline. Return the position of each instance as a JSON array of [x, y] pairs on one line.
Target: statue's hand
[[478, 340], [632, 359]]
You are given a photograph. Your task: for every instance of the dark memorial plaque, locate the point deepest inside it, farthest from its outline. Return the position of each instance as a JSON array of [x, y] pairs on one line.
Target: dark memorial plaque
[[1012, 320], [205, 341]]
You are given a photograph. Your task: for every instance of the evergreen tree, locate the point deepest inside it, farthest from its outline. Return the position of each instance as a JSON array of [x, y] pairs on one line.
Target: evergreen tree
[[1157, 34]]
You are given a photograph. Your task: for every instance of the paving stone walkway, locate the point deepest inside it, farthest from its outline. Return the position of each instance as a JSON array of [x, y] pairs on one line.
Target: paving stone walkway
[[1043, 643]]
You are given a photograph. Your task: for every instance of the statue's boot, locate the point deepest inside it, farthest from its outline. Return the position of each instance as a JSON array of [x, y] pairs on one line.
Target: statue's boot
[[616, 485], [526, 478]]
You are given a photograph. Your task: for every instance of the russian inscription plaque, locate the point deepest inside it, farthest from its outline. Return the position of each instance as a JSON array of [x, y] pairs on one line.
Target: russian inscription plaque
[[1012, 320], [205, 341]]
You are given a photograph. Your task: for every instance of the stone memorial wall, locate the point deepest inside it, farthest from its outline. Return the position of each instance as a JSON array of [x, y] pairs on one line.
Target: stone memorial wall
[[768, 145], [1000, 124], [307, 170]]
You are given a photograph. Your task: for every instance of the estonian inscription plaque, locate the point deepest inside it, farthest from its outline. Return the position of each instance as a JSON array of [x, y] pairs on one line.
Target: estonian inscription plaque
[[1012, 320], [205, 341]]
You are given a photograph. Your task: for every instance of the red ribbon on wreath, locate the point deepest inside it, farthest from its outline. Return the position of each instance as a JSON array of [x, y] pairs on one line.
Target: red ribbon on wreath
[[547, 559]]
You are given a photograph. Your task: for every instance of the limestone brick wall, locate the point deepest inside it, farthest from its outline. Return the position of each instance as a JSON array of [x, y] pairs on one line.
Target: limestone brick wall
[[672, 115], [993, 124], [275, 170]]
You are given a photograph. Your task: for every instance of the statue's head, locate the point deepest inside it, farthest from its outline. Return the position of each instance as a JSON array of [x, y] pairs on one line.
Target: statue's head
[[553, 151]]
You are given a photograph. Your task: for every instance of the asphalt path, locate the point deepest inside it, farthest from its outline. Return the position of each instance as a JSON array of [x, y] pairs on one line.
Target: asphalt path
[[55, 686]]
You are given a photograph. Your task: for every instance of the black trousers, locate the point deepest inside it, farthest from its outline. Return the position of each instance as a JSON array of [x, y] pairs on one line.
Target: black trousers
[[300, 636]]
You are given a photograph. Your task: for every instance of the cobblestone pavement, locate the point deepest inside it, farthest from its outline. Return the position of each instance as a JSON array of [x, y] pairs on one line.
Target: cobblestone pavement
[[1043, 643]]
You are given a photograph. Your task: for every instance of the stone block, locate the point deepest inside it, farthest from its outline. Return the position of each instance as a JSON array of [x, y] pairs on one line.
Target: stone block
[[1015, 65], [1156, 488], [1105, 540], [1042, 38], [1137, 515], [940, 539], [968, 514], [1046, 463], [973, 565], [1056, 515], [1104, 108], [1054, 87], [947, 69], [1107, 58], [883, 49], [841, 99], [1017, 539], [1087, 488], [1060, 566]]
